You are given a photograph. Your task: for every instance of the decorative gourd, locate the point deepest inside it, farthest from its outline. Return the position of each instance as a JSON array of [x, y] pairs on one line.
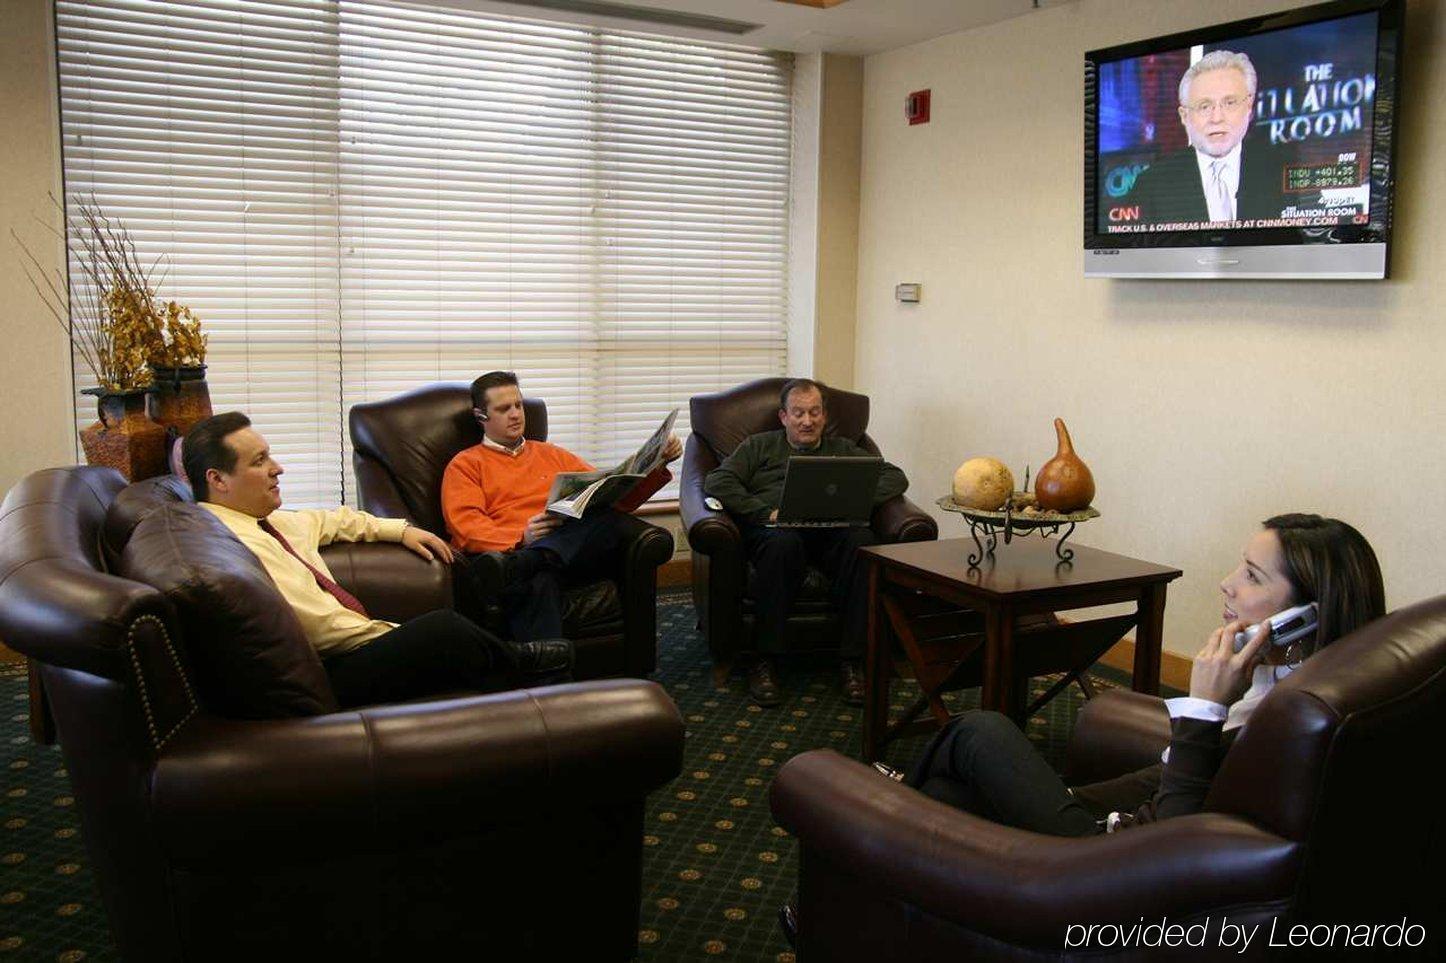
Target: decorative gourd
[[983, 483], [1064, 484]]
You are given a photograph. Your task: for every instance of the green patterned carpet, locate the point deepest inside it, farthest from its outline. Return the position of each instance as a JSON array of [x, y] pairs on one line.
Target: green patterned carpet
[[715, 866]]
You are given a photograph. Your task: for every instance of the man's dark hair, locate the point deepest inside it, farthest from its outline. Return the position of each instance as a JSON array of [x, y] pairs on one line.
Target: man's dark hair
[[492, 379], [204, 448], [802, 384]]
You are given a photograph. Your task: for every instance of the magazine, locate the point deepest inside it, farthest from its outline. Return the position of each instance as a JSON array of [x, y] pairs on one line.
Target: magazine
[[576, 494]]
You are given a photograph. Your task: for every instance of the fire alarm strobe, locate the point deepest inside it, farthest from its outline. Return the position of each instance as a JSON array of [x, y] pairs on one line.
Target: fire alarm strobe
[[916, 107]]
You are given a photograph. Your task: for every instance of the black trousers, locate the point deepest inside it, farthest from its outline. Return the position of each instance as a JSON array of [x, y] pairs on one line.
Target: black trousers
[[577, 552], [983, 764], [433, 654], [780, 559]]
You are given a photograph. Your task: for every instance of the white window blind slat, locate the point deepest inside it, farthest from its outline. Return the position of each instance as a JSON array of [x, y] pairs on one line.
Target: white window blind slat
[[362, 197]]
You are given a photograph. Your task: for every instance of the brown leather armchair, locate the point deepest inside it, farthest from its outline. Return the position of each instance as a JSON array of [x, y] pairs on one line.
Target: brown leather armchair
[[1325, 810], [720, 572], [505, 826], [401, 448]]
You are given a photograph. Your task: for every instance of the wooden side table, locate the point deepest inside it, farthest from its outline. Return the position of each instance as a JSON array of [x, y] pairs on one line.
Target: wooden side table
[[990, 625]]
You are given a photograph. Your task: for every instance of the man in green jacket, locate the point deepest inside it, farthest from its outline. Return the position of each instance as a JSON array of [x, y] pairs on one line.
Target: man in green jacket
[[749, 483]]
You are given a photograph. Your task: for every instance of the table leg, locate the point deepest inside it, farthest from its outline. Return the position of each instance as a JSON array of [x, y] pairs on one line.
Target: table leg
[[998, 691], [876, 669], [1149, 633]]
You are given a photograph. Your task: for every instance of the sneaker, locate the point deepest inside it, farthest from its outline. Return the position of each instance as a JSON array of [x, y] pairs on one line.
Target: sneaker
[[884, 769], [788, 922]]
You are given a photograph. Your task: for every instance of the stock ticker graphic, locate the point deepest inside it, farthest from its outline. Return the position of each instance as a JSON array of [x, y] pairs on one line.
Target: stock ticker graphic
[[1305, 150]]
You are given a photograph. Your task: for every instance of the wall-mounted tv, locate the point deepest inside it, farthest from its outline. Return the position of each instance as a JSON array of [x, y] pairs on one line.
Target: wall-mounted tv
[[1255, 149]]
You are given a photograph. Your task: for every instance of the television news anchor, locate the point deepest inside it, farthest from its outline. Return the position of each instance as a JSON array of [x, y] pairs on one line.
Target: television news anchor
[[368, 661], [1222, 175], [494, 501], [749, 484], [983, 763]]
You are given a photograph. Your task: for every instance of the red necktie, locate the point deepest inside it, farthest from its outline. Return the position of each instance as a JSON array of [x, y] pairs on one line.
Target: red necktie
[[337, 592]]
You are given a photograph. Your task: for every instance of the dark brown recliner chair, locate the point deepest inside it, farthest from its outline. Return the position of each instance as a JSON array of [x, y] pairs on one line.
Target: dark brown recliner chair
[[1324, 810], [401, 448], [721, 573], [505, 826]]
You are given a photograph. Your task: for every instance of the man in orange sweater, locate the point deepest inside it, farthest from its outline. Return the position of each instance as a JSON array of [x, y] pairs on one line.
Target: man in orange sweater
[[494, 499]]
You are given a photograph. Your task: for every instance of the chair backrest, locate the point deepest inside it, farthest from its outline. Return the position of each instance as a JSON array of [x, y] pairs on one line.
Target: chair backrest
[[133, 503], [1342, 756], [723, 419], [58, 604], [412, 437], [112, 674]]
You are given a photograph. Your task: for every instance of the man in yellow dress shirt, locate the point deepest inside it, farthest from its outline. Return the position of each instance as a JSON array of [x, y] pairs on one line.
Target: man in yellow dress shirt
[[234, 476]]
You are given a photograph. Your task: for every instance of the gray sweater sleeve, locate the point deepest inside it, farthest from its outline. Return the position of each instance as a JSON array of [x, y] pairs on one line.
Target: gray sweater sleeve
[[729, 483], [892, 480]]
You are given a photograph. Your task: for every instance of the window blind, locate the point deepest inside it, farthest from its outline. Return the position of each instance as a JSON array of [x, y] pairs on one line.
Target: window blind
[[361, 198], [209, 129]]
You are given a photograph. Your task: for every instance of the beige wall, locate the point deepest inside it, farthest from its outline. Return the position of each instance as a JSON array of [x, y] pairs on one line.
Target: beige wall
[[839, 144], [36, 429], [1202, 407]]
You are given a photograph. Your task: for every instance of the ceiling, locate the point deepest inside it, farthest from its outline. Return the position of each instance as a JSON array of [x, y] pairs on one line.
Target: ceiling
[[851, 27]]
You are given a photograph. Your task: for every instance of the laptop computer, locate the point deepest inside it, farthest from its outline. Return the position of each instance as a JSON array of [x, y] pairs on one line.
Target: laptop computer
[[824, 492]]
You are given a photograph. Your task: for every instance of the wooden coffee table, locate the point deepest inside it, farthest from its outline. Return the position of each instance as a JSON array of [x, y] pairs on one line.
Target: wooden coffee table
[[993, 625]]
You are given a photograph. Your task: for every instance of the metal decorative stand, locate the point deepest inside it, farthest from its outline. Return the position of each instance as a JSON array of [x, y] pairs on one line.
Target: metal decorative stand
[[986, 527]]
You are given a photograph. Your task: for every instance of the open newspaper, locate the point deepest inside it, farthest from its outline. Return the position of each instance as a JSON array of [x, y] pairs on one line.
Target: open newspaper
[[579, 493]]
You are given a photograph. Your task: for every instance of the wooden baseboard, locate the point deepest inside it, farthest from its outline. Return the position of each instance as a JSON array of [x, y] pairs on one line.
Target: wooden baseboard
[[675, 573], [1174, 669]]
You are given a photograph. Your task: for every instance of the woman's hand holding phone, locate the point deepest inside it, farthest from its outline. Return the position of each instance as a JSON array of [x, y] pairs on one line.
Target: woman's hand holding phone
[[1221, 674]]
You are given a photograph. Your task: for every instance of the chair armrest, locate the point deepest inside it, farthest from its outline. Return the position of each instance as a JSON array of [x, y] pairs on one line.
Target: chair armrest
[[1018, 886], [392, 581], [900, 520], [710, 532], [645, 546], [389, 776], [1118, 731]]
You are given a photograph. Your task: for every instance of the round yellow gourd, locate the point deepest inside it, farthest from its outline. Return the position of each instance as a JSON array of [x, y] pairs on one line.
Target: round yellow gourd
[[983, 483]]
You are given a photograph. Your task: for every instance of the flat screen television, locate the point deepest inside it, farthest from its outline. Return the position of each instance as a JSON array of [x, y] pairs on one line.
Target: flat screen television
[[1255, 149]]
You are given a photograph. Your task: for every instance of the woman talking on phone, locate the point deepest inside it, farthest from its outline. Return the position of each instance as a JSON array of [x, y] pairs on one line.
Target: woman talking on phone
[[983, 763]]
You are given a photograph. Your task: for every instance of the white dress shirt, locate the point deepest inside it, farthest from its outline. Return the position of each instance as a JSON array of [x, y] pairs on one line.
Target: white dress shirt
[[1221, 208]]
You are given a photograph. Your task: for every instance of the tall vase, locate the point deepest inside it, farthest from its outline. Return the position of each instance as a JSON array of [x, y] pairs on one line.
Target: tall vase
[[179, 400], [124, 438], [1064, 483]]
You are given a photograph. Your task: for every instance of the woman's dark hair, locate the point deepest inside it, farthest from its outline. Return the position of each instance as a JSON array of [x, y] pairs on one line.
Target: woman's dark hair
[[492, 379], [1331, 564], [205, 448]]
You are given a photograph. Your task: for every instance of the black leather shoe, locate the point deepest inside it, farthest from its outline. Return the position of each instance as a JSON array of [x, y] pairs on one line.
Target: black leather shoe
[[489, 573], [851, 682], [763, 684], [545, 659], [494, 572], [788, 920]]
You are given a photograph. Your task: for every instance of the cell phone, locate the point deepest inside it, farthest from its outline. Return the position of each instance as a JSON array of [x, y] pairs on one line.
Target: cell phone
[[1285, 627]]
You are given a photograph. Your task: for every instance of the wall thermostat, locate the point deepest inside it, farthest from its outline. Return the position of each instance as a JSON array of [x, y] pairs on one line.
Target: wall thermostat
[[908, 293]]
